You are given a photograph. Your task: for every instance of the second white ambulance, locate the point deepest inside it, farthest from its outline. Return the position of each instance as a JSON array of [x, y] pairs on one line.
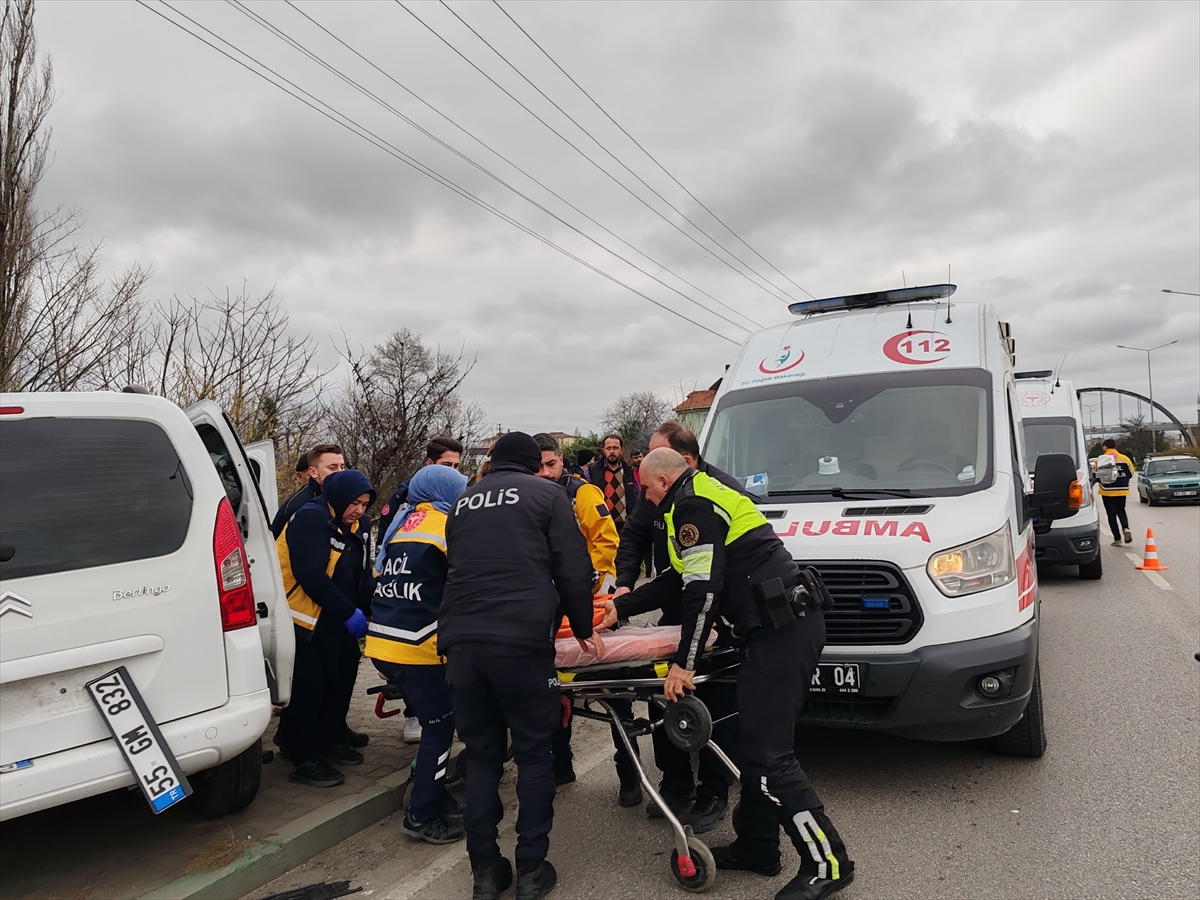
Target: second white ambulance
[[882, 434]]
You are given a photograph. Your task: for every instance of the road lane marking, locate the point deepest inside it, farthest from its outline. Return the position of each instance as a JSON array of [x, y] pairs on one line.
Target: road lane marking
[[1154, 577]]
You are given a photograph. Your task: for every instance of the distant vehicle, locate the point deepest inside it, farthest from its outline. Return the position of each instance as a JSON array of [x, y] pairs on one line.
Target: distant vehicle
[[1052, 423], [134, 534], [1169, 479], [882, 435]]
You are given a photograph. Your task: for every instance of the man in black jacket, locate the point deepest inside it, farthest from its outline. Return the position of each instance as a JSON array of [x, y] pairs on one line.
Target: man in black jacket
[[615, 477], [323, 460], [328, 607], [518, 563], [701, 806]]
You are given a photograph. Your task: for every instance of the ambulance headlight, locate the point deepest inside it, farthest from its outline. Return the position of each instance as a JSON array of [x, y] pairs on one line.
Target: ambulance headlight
[[977, 566]]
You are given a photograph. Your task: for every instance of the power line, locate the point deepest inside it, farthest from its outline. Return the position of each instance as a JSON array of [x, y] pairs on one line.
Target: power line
[[649, 155], [237, 4], [576, 148], [350, 125]]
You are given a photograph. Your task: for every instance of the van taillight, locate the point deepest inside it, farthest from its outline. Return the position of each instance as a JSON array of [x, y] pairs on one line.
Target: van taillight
[[233, 576]]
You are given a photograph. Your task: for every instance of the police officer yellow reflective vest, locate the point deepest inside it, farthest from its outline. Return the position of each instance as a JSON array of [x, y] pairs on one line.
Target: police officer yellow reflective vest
[[408, 591], [695, 562]]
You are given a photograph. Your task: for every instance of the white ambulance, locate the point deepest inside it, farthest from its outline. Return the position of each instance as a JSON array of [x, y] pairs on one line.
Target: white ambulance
[[1052, 422], [882, 433]]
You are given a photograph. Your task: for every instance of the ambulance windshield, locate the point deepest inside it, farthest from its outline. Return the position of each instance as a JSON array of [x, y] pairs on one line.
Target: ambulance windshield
[[913, 434]]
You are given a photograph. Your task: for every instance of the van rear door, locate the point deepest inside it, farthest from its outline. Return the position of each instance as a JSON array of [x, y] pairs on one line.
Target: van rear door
[[262, 460], [107, 560], [237, 475]]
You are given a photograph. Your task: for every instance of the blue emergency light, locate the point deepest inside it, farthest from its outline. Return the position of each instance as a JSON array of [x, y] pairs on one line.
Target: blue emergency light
[[876, 603], [878, 298]]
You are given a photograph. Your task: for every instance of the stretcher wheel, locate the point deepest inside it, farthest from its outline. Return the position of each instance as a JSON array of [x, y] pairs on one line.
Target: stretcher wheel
[[687, 723], [703, 866]]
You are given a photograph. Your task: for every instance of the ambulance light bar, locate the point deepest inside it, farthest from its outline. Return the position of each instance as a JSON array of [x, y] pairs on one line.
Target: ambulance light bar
[[878, 298], [1037, 373]]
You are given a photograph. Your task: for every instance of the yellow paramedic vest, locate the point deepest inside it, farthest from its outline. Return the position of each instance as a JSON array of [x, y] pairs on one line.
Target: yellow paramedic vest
[[305, 610]]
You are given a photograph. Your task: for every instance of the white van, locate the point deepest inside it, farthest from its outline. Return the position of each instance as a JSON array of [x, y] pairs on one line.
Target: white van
[[882, 433], [1052, 422], [126, 529]]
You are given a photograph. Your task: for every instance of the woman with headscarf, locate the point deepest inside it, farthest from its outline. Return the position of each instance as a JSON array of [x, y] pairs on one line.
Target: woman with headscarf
[[402, 640]]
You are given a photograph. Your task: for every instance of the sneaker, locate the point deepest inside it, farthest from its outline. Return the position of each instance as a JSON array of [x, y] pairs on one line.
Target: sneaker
[[1128, 536], [493, 881], [436, 831], [357, 739], [705, 815], [345, 755], [630, 794], [1117, 543], [564, 775], [731, 860], [538, 883], [679, 804], [810, 887], [316, 773], [412, 730]]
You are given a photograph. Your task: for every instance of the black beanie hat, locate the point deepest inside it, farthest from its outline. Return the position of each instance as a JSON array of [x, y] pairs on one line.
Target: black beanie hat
[[585, 456], [302, 463], [519, 448]]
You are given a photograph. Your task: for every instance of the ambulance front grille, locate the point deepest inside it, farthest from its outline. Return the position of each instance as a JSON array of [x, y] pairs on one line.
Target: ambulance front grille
[[859, 615]]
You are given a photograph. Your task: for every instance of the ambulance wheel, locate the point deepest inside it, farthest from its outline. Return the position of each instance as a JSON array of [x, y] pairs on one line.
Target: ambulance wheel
[[1028, 737], [705, 866], [1093, 570], [229, 787], [688, 723]]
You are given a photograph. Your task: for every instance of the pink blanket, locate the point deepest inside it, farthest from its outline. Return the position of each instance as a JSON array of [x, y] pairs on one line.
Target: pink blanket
[[623, 645]]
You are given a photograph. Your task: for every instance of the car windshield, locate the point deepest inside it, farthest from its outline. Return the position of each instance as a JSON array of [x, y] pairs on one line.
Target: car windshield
[[1173, 467], [909, 434], [1049, 435]]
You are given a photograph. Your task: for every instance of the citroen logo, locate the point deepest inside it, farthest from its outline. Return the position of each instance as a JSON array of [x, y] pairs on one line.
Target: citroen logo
[[14, 603]]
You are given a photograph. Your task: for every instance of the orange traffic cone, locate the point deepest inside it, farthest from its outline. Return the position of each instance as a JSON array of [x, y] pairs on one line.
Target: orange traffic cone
[[1150, 558]]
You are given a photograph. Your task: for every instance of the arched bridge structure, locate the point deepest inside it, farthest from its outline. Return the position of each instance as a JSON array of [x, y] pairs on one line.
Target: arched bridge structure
[[1184, 431]]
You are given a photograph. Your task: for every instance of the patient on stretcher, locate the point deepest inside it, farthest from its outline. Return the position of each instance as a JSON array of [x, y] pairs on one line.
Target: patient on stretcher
[[628, 644]]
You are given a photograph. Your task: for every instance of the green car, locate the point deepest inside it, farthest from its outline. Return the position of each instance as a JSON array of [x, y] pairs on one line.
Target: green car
[[1169, 479]]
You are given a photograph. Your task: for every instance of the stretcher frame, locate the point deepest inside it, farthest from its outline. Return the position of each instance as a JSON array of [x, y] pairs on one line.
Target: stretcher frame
[[689, 727]]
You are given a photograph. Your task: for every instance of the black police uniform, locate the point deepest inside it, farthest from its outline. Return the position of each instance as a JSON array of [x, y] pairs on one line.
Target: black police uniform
[[644, 530], [723, 578], [518, 562], [292, 504]]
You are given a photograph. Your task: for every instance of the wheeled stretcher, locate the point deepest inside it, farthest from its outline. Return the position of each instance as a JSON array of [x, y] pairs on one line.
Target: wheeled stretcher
[[590, 690]]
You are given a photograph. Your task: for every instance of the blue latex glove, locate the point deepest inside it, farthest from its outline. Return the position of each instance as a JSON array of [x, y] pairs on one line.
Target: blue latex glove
[[357, 624]]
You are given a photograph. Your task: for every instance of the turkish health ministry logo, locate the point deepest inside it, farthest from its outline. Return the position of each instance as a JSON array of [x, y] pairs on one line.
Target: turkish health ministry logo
[[784, 360]]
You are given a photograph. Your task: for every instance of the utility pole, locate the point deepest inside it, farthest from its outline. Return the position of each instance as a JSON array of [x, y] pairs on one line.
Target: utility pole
[[1150, 381]]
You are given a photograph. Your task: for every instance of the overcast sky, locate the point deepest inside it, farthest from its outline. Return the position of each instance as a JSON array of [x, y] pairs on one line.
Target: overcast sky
[[1049, 152]]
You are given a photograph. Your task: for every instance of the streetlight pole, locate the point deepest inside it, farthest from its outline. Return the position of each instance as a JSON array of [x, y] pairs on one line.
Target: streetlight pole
[[1150, 381]]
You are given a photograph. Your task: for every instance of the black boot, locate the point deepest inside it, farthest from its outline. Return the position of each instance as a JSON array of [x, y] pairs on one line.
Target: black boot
[[732, 859], [493, 881], [706, 813], [806, 886], [536, 883]]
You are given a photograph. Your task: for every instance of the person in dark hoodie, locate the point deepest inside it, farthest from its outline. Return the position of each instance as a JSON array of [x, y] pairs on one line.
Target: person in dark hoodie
[[323, 460], [517, 564], [327, 574]]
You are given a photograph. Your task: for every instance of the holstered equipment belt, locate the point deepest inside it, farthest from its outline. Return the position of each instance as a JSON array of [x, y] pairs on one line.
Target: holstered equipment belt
[[780, 605]]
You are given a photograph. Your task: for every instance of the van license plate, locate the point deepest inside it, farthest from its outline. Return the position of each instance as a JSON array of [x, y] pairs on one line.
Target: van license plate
[[835, 678], [149, 758]]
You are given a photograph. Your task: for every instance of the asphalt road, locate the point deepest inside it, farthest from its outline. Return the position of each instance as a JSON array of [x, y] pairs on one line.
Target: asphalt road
[[1112, 810]]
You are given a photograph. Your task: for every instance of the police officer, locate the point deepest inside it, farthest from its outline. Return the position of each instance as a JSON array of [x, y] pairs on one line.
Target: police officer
[[727, 562], [700, 806], [518, 563]]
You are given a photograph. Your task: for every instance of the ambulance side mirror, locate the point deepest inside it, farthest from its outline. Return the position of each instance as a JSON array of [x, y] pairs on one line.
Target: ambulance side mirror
[[1052, 480]]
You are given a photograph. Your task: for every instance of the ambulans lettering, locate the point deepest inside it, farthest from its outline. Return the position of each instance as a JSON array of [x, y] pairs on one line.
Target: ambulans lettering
[[857, 528], [504, 497]]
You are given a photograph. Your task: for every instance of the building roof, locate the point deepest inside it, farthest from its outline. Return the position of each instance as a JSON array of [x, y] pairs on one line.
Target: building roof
[[697, 400]]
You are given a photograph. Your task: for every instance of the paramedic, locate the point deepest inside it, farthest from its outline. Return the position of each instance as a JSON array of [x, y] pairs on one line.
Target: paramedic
[[518, 562], [402, 641], [1116, 493], [701, 806], [595, 521], [727, 563], [328, 580]]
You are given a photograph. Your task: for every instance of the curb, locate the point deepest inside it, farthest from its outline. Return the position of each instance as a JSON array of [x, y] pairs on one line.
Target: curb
[[296, 843]]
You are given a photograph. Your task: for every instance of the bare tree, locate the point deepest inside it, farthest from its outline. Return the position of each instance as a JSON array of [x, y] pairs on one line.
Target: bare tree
[[635, 416], [395, 399], [61, 324]]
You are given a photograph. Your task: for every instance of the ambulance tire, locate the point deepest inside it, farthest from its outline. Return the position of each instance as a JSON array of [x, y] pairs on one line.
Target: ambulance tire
[[229, 787], [1092, 571], [1028, 737]]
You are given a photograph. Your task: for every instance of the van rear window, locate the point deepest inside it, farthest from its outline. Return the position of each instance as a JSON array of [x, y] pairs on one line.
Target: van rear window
[[79, 493]]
